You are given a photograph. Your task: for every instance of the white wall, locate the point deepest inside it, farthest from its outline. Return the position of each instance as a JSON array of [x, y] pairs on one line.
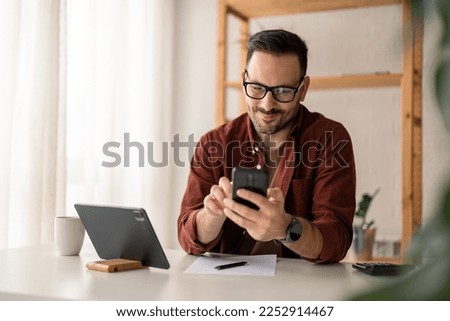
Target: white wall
[[340, 42]]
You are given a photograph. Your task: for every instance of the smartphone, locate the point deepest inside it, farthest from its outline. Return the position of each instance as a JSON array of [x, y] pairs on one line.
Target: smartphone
[[249, 178]]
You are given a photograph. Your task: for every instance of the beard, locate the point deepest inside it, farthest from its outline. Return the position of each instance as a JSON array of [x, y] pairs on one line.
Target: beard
[[272, 121]]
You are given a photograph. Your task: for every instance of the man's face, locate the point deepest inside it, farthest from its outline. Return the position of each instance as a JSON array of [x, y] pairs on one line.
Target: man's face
[[269, 115]]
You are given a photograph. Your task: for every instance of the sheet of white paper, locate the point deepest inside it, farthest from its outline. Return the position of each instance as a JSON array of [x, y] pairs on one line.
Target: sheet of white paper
[[256, 265]]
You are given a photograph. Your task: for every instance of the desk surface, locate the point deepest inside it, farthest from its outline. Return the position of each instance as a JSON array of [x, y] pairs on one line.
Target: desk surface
[[39, 273]]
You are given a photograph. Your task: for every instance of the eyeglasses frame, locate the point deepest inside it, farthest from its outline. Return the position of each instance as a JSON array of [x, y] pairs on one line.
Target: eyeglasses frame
[[271, 89]]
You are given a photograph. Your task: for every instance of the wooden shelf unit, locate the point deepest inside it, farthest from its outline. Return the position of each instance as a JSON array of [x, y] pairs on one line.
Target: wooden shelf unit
[[409, 81]]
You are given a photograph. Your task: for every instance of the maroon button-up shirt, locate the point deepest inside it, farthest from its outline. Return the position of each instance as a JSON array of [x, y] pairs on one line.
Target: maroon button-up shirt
[[316, 172]]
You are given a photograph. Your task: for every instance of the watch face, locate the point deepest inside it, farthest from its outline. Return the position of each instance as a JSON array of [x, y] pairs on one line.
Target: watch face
[[295, 230]]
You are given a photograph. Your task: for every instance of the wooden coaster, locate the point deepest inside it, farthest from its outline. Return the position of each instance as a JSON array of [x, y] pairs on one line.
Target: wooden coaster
[[114, 265]]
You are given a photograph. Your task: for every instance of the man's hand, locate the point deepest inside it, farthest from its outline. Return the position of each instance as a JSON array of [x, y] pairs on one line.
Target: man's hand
[[271, 221], [210, 219], [267, 223], [213, 202]]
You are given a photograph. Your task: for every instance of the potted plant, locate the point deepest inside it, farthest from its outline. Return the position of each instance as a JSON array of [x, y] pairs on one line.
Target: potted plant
[[364, 232]]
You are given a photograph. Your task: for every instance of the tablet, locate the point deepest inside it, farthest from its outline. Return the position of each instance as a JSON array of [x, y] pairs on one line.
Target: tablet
[[122, 232]]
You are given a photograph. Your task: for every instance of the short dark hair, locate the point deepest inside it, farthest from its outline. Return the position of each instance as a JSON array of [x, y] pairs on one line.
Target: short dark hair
[[278, 42]]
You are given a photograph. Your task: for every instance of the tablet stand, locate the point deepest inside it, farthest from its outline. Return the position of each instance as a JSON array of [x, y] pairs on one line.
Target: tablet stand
[[115, 265]]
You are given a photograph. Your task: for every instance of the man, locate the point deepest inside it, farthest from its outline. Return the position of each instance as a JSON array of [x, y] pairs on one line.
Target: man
[[309, 208]]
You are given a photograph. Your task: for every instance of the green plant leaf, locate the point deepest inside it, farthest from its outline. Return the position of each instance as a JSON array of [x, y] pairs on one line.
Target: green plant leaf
[[363, 206]]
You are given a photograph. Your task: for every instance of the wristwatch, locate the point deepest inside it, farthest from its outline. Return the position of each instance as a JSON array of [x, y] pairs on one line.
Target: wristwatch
[[293, 231]]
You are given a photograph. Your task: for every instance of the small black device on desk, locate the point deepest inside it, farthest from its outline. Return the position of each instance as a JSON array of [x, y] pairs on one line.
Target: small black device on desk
[[383, 268]]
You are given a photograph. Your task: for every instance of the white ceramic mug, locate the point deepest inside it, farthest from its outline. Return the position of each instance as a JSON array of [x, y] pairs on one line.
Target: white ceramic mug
[[69, 235]]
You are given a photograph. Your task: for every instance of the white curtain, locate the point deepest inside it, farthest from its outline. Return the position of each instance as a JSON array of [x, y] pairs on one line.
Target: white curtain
[[31, 137], [119, 82], [75, 75]]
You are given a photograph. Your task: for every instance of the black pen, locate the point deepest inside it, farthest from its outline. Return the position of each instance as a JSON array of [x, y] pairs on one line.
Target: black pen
[[231, 265]]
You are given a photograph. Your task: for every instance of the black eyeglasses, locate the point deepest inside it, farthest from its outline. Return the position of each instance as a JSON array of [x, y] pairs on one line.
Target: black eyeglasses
[[283, 94]]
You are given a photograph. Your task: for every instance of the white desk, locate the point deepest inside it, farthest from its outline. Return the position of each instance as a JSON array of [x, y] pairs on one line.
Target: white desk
[[39, 273]]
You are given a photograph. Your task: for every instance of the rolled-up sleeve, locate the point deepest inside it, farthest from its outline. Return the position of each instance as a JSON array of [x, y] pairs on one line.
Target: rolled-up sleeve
[[334, 195], [200, 180]]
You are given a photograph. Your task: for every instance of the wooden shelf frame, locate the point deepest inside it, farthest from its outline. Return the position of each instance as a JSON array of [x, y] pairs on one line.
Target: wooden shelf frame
[[342, 82], [409, 82], [261, 8]]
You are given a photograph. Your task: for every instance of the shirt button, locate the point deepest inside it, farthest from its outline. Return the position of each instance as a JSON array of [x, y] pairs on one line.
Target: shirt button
[[258, 166], [256, 149]]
